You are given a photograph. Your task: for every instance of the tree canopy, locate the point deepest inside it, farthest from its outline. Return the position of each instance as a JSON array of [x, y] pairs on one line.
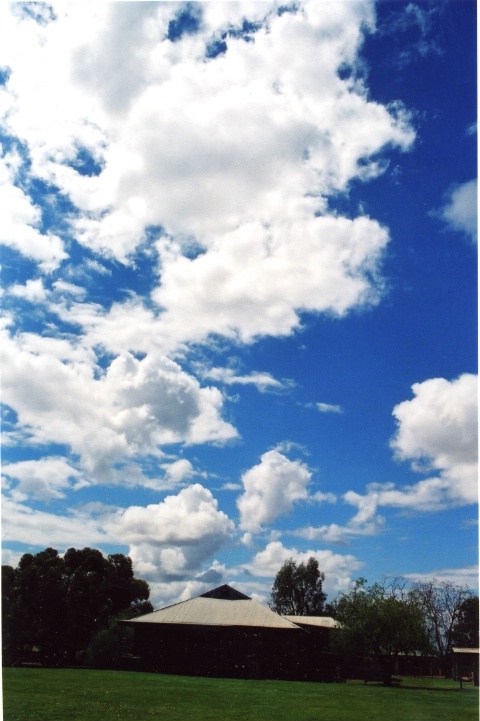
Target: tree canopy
[[443, 605], [465, 631], [57, 604], [298, 589], [379, 622]]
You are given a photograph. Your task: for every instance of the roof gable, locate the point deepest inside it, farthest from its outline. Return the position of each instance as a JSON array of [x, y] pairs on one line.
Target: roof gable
[[227, 593], [232, 608]]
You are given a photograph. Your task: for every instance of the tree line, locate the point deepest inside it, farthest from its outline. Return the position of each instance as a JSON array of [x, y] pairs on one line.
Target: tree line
[[65, 608], [384, 620]]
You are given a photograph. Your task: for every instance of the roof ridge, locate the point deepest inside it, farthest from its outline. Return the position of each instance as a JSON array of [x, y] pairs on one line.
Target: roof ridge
[[225, 593]]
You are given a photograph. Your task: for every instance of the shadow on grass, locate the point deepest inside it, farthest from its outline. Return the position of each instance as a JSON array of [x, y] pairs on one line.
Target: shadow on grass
[[429, 688], [399, 683]]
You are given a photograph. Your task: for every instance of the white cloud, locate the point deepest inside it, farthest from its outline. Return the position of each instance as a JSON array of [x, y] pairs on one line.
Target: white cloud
[[178, 471], [460, 212], [45, 478], [329, 408], [263, 381], [366, 522], [467, 576], [255, 280], [159, 403], [321, 497], [437, 431], [236, 159], [168, 542], [338, 568], [262, 117], [240, 153], [20, 227], [63, 287], [33, 290], [271, 489], [11, 558], [22, 524], [174, 538], [128, 326], [166, 593], [131, 409], [432, 494]]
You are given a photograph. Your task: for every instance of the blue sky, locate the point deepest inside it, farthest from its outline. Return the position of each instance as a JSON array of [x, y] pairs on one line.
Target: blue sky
[[239, 259]]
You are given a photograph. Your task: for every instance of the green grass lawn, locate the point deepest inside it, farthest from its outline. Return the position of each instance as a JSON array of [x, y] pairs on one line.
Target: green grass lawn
[[86, 695]]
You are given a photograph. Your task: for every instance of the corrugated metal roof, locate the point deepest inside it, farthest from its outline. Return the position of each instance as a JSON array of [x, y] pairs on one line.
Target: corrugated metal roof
[[203, 611], [321, 621]]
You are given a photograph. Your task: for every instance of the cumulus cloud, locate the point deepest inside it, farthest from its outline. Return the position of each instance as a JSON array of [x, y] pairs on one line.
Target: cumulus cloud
[[45, 478], [21, 224], [178, 471], [124, 326], [338, 568], [342, 535], [366, 522], [174, 538], [257, 126], [23, 524], [133, 408], [460, 211], [240, 161], [271, 489], [171, 541], [255, 280], [32, 290], [437, 431], [221, 169]]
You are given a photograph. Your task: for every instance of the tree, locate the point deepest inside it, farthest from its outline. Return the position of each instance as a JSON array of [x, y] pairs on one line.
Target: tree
[[442, 604], [298, 590], [58, 604], [109, 645], [465, 630], [35, 608], [8, 636], [380, 622]]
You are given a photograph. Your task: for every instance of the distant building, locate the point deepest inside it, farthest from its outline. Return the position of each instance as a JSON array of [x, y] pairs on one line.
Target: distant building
[[225, 633], [465, 664]]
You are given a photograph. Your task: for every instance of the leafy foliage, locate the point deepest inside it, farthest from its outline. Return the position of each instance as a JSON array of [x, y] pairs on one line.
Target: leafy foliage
[[465, 631], [57, 604], [298, 590], [379, 623]]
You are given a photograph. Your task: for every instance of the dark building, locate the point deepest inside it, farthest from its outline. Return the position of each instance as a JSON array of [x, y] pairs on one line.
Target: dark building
[[466, 665], [225, 633]]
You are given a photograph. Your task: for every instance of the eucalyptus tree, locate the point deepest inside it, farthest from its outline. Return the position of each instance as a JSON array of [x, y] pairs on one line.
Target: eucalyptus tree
[[58, 603], [298, 589]]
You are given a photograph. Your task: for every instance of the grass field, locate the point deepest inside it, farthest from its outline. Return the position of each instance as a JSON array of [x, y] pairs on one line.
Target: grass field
[[84, 695]]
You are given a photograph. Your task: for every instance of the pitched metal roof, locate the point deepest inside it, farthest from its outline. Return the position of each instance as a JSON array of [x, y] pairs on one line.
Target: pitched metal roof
[[210, 611], [320, 621]]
